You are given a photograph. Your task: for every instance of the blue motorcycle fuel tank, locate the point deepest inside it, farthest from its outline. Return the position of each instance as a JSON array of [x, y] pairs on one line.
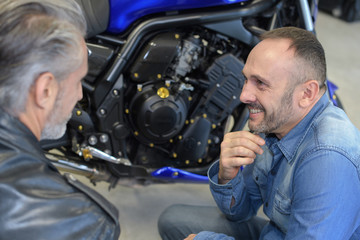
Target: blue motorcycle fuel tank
[[124, 12]]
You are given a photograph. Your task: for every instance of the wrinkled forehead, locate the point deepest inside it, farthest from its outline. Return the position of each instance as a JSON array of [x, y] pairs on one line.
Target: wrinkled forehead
[[273, 49], [271, 59]]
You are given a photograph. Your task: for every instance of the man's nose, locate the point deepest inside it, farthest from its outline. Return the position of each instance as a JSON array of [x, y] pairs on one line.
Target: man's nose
[[247, 94]]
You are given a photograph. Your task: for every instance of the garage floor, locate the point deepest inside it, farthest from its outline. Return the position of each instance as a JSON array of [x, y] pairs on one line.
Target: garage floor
[[140, 206]]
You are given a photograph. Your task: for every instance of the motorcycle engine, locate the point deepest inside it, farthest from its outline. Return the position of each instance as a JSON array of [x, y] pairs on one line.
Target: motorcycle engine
[[170, 106], [178, 100]]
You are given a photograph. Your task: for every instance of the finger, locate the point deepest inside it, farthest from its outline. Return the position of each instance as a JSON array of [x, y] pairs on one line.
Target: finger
[[245, 134], [238, 151], [231, 167], [242, 144], [236, 162], [240, 161], [190, 237]]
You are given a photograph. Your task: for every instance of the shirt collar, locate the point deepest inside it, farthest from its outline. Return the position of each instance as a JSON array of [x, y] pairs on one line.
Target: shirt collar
[[289, 144]]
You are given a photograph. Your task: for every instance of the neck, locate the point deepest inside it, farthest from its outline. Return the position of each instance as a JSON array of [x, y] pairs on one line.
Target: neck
[[32, 122], [301, 116]]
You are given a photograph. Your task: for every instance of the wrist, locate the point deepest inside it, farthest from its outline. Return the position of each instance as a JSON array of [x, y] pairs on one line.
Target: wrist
[[222, 180]]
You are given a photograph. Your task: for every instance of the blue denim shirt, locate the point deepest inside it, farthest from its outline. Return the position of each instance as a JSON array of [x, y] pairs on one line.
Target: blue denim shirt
[[308, 182]]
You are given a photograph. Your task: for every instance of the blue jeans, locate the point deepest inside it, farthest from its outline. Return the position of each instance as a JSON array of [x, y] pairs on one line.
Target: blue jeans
[[178, 221]]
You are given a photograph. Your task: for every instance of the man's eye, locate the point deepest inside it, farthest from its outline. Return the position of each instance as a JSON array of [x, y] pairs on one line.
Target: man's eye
[[258, 82]]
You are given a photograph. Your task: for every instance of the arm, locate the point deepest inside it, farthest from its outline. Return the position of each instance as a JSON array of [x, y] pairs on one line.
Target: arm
[[235, 192], [325, 202], [39, 203]]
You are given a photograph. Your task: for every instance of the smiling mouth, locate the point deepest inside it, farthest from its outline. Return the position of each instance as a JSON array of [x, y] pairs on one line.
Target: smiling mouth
[[254, 110]]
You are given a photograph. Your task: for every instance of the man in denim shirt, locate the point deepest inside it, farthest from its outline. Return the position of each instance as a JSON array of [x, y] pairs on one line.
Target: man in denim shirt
[[301, 159]]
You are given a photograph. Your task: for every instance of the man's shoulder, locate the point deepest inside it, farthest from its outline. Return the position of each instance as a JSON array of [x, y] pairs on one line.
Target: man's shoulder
[[332, 129]]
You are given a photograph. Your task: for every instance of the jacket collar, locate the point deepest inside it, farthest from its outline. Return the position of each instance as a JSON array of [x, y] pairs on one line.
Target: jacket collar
[[14, 132]]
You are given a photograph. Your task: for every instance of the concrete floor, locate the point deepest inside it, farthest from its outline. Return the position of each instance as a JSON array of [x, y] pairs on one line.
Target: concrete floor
[[140, 206]]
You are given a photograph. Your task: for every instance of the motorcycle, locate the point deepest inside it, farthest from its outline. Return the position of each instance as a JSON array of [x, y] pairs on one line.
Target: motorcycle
[[163, 85]]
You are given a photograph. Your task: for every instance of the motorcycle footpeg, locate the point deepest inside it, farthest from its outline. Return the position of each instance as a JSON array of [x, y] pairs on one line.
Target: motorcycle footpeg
[[90, 152]]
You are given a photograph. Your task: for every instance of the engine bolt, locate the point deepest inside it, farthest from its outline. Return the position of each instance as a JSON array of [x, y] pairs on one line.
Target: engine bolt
[[159, 76], [180, 137], [136, 75], [190, 99], [204, 115], [127, 111], [200, 160], [171, 140], [92, 140], [102, 111], [104, 138], [175, 174], [78, 113], [151, 145], [144, 159], [139, 87], [136, 133], [214, 126], [116, 92], [174, 155], [187, 122], [80, 128], [192, 121], [209, 141], [177, 36], [187, 162]]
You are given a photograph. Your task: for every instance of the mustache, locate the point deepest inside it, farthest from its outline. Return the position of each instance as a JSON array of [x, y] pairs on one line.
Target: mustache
[[256, 105]]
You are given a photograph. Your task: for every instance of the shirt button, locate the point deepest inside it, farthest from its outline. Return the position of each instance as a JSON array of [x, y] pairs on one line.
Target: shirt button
[[273, 172], [266, 204], [256, 178]]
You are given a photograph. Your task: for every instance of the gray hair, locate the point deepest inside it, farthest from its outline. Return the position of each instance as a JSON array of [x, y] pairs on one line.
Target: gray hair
[[37, 36], [308, 50]]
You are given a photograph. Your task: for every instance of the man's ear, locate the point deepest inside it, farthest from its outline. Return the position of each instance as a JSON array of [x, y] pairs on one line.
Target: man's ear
[[309, 93], [45, 90]]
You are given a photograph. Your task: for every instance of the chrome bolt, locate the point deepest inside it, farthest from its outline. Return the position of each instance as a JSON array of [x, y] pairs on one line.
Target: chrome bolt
[[102, 111], [104, 138], [92, 140], [116, 92]]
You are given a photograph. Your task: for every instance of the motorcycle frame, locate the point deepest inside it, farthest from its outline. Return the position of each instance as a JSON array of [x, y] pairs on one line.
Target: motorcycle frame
[[129, 42]]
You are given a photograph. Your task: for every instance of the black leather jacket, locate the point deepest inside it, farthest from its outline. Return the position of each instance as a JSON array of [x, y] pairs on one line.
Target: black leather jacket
[[37, 202]]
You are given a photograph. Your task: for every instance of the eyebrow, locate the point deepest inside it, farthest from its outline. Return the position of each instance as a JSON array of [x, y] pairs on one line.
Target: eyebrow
[[258, 77]]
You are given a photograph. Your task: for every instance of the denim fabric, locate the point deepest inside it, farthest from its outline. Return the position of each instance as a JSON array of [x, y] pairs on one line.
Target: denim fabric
[[308, 182], [212, 236], [180, 220]]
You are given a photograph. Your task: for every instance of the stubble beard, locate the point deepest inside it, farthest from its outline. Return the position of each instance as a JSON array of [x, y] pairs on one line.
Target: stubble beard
[[275, 120]]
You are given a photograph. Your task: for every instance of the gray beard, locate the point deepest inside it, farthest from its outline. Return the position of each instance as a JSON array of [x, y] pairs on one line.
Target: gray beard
[[53, 130]]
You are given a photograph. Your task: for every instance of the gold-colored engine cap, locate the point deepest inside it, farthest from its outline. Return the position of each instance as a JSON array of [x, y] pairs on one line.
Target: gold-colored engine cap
[[163, 92]]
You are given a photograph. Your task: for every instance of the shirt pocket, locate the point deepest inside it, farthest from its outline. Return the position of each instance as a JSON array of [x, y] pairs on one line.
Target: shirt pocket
[[281, 211]]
